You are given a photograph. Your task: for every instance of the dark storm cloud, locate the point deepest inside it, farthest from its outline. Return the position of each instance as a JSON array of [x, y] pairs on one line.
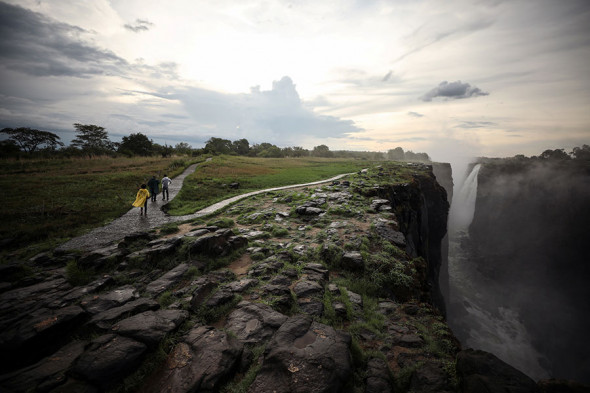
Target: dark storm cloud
[[36, 45], [139, 26], [452, 91]]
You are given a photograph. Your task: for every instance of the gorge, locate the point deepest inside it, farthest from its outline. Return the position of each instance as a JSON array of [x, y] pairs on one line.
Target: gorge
[[518, 264]]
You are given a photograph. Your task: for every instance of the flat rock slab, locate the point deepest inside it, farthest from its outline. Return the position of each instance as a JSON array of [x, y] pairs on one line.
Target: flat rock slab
[[306, 288], [169, 279], [110, 299], [150, 327], [38, 335], [304, 356], [200, 363], [109, 359], [46, 374], [254, 322], [105, 319]]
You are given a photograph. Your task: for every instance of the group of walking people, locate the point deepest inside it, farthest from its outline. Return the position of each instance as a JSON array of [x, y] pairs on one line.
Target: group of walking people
[[150, 190]]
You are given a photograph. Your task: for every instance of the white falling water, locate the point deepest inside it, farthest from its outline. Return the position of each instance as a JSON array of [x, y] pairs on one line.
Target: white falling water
[[463, 204], [473, 313]]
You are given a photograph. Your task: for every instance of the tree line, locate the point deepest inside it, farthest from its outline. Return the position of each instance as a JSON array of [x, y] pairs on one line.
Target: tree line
[[94, 140]]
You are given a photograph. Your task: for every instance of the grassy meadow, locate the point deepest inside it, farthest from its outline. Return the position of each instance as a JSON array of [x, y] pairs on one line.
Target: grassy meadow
[[49, 201], [209, 184]]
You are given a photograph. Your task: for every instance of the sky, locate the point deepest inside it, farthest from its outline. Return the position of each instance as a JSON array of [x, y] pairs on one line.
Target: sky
[[451, 78]]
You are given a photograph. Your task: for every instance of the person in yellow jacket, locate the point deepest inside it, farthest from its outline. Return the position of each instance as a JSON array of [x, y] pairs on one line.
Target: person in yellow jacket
[[141, 199]]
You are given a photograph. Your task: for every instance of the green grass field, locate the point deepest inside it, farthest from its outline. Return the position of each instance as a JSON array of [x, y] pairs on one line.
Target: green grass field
[[209, 184], [47, 202]]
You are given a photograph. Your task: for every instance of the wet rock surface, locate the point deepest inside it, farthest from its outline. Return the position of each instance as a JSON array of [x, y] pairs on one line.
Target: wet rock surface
[[301, 306]]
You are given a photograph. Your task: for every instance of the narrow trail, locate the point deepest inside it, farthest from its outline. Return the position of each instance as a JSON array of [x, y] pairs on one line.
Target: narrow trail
[[132, 222]]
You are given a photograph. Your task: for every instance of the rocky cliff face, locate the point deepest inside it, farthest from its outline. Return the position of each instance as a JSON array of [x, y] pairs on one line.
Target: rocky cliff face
[[529, 232], [322, 289]]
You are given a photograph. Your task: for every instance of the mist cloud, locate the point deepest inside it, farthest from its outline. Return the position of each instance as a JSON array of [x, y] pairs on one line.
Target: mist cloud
[[36, 45], [452, 91]]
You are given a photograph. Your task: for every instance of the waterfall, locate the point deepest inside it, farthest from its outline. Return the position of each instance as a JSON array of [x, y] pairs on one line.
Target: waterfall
[[463, 204], [475, 315]]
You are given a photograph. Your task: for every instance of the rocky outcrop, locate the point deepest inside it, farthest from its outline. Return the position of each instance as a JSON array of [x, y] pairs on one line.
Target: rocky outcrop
[[421, 209], [286, 301], [304, 356]]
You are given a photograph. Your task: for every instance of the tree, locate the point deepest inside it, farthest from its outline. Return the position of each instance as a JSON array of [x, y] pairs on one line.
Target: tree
[[322, 151], [92, 138], [218, 146], [29, 140], [396, 154], [183, 148], [581, 153], [136, 144], [272, 151], [9, 148], [557, 154], [299, 151], [241, 147]]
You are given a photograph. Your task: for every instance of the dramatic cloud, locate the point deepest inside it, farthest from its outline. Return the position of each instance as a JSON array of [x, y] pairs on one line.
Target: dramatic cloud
[[273, 115], [453, 90], [139, 26], [38, 46]]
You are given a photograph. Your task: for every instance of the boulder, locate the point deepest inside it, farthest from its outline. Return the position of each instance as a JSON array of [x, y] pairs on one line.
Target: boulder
[[109, 359], [378, 377], [219, 243], [254, 323], [316, 272], [150, 327], [352, 260], [308, 211], [386, 230], [481, 371], [200, 363], [432, 378], [304, 356], [219, 298], [311, 306], [306, 288]]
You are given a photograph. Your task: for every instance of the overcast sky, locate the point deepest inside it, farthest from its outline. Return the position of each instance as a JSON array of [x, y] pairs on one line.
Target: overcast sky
[[448, 78]]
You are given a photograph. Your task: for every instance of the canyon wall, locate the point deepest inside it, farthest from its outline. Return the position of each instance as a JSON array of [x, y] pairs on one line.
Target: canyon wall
[[529, 234]]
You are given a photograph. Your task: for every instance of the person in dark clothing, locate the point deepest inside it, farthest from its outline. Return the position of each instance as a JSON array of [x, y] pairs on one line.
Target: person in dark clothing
[[153, 186]]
